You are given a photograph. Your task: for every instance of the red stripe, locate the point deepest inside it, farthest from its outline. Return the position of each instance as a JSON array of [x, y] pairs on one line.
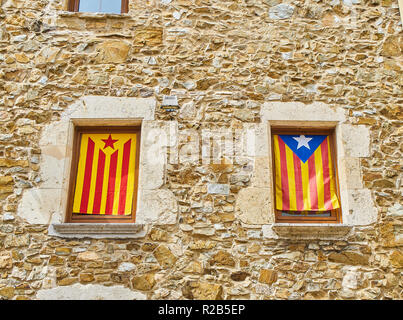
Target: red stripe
[[87, 176], [298, 182], [123, 180], [326, 175], [312, 183], [110, 196], [99, 182], [284, 176]]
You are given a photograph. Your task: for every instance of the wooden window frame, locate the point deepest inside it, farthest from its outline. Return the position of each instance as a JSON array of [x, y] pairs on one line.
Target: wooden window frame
[[336, 214], [86, 218], [74, 6]]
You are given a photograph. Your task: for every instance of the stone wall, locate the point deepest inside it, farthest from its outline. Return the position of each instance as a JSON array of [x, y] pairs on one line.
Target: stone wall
[[231, 65]]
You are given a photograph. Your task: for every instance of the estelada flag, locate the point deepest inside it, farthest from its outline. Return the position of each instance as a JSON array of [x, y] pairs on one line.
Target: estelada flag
[[304, 173], [106, 173]]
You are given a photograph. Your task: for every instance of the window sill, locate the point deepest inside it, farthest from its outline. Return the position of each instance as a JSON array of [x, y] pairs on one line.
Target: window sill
[[93, 15], [98, 230], [311, 230]]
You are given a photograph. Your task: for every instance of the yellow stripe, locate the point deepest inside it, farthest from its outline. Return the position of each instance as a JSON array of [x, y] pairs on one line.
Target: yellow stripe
[[333, 193], [93, 178], [291, 178], [117, 180], [319, 178], [305, 185], [80, 175], [105, 185], [131, 175], [279, 195]]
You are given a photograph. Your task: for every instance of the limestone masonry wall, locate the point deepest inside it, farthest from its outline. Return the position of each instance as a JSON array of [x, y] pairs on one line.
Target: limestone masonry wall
[[209, 231]]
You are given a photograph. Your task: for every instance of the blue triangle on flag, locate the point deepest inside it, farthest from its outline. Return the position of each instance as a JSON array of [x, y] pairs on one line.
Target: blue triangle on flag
[[298, 144]]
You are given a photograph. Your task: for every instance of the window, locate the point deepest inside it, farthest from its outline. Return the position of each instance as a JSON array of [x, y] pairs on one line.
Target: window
[[104, 174], [305, 175], [106, 6]]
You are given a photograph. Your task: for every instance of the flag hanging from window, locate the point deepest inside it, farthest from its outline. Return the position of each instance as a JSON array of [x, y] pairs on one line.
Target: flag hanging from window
[[304, 174], [106, 173]]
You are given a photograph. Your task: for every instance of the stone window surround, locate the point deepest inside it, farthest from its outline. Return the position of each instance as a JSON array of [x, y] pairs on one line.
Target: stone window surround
[[154, 204], [95, 230], [352, 143]]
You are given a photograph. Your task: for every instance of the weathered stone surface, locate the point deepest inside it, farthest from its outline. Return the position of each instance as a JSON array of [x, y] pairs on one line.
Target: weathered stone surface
[[396, 210], [396, 259], [393, 46], [267, 276], [349, 257], [165, 257], [47, 55], [7, 292], [148, 36], [281, 11], [194, 267], [208, 291], [6, 262], [16, 241], [13, 163], [144, 282], [252, 205], [223, 258], [216, 188], [112, 51], [6, 180], [239, 276], [88, 256], [89, 292]]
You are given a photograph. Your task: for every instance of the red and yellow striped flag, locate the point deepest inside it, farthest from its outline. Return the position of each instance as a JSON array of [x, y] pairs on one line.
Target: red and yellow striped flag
[[304, 173], [106, 174]]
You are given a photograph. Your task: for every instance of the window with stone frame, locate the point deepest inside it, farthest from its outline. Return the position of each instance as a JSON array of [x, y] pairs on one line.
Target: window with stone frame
[[104, 175], [103, 6], [305, 175]]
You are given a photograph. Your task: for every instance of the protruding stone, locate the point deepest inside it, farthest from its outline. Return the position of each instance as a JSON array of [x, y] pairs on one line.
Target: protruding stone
[[349, 257], [112, 51], [165, 257], [393, 46], [16, 241], [223, 258], [47, 55], [88, 256], [126, 267], [6, 262], [13, 163], [7, 292], [396, 259], [216, 188], [148, 36], [194, 267], [21, 58], [144, 282], [268, 276], [281, 11], [239, 276], [208, 291]]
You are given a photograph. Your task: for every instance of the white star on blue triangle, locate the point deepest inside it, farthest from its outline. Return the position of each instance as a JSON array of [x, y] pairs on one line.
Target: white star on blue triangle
[[303, 145]]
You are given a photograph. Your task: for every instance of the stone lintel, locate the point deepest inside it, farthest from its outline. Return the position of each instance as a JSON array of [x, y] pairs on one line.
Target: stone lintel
[[98, 230], [311, 230]]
